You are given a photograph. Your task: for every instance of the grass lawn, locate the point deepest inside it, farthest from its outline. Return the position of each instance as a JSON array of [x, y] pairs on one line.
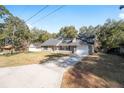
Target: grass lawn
[[98, 70], [27, 58]]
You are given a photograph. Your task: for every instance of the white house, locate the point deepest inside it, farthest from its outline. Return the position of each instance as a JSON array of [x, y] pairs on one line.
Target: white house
[[35, 47], [72, 45], [60, 45]]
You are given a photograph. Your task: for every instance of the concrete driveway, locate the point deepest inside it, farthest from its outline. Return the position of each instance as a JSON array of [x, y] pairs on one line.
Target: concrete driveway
[[46, 75]]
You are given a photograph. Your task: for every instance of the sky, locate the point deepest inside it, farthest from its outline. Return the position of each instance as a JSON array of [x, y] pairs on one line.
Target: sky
[[77, 15]]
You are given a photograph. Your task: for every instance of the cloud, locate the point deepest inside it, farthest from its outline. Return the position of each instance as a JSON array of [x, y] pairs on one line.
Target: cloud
[[121, 15], [30, 26]]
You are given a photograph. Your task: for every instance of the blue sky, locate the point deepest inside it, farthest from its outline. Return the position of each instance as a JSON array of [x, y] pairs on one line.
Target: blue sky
[[83, 15]]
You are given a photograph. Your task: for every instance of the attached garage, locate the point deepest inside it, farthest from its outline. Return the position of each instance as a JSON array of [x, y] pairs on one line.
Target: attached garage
[[82, 50]]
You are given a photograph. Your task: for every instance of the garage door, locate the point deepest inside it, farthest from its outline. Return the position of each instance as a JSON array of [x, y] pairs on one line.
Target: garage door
[[82, 50]]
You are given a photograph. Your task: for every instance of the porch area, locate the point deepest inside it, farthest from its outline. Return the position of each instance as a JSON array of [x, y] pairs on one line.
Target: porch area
[[59, 48]]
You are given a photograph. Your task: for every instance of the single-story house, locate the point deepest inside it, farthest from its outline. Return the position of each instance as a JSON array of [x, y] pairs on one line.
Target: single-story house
[[62, 44]]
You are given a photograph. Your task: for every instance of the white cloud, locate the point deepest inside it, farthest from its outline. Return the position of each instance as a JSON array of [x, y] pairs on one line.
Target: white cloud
[[121, 15], [30, 26]]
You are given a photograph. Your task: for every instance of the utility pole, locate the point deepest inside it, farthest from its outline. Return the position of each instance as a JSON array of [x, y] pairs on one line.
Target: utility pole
[[14, 30]]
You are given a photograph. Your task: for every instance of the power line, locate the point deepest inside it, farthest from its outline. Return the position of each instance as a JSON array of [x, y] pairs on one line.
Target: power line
[[49, 14], [37, 13]]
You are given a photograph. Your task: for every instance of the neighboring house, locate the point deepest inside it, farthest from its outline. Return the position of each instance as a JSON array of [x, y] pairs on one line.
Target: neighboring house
[[62, 44], [35, 47]]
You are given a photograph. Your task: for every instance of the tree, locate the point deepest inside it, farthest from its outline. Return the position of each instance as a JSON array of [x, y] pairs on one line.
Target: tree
[[83, 29], [111, 34], [2, 26], [54, 35], [44, 36], [68, 32], [21, 37], [35, 34], [87, 34], [39, 35], [4, 11]]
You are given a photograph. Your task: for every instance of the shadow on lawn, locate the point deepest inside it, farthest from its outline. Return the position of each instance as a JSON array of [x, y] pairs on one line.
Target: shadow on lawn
[[53, 57], [100, 70], [10, 54], [15, 53]]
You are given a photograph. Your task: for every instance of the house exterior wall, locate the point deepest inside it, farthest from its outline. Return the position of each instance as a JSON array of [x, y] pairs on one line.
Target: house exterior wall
[[34, 49], [59, 48], [46, 48], [73, 49]]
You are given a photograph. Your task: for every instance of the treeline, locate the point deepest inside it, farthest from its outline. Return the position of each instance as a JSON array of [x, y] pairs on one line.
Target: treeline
[[15, 32], [39, 35], [108, 36]]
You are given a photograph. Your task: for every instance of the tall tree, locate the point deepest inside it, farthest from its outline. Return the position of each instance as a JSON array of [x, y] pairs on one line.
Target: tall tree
[[39, 35], [54, 35], [111, 34], [18, 32], [4, 12], [68, 32], [87, 33], [83, 29], [44, 36], [35, 34]]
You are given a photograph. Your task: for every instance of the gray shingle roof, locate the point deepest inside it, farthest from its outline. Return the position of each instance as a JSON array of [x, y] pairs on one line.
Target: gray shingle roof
[[77, 43], [51, 42], [37, 45], [60, 42]]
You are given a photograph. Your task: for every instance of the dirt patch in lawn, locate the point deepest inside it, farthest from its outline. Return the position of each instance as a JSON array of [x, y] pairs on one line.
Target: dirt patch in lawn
[[99, 70]]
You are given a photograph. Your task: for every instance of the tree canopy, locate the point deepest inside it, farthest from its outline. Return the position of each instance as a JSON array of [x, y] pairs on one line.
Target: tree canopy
[[15, 32], [109, 35], [68, 32], [4, 11], [39, 35]]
